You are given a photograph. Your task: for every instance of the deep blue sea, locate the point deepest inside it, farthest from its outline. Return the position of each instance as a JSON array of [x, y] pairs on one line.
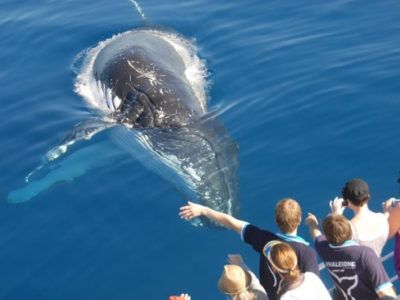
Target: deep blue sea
[[309, 90]]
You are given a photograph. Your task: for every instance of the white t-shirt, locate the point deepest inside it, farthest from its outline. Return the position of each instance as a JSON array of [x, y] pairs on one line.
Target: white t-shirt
[[257, 288], [311, 288], [375, 238]]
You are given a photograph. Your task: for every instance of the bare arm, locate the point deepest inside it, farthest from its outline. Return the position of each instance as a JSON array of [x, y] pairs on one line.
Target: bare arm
[[236, 259], [312, 223], [193, 210]]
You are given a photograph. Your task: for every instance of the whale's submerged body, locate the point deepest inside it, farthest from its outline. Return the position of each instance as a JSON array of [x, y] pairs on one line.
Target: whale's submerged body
[[147, 87]]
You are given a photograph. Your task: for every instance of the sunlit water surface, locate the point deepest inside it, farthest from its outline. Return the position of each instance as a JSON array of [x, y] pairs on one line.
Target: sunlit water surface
[[309, 90]]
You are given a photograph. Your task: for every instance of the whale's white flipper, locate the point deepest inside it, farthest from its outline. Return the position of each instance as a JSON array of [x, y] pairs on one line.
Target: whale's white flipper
[[72, 166]]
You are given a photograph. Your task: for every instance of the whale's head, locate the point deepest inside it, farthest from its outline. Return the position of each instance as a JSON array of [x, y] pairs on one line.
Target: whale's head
[[145, 78]]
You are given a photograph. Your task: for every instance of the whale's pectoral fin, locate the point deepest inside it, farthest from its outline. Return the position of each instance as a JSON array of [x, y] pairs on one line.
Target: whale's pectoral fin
[[56, 166], [200, 159], [67, 169], [82, 131]]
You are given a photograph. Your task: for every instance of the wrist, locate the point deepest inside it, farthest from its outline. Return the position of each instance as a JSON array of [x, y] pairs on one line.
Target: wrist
[[337, 210], [204, 211]]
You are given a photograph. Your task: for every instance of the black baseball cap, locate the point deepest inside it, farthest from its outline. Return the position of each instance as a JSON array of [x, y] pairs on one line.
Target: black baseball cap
[[356, 190]]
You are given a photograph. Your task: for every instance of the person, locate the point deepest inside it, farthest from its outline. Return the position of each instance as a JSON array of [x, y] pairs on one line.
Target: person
[[356, 271], [238, 282], [392, 208], [397, 255], [181, 297], [287, 217], [369, 228], [294, 284]]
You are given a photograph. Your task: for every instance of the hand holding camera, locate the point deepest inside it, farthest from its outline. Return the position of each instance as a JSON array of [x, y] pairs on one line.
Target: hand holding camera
[[389, 204], [337, 205]]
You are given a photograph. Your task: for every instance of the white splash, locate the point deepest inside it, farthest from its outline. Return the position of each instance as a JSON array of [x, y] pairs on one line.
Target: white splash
[[139, 9]]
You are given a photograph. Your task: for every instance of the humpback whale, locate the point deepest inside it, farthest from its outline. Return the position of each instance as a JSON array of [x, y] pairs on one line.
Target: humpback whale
[[147, 90]]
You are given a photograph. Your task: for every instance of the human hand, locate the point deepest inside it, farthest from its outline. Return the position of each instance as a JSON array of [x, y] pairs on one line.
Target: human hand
[[190, 211], [311, 220], [387, 205], [235, 259], [336, 206]]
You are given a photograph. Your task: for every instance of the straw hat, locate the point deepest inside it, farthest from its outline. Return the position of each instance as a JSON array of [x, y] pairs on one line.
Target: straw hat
[[234, 280]]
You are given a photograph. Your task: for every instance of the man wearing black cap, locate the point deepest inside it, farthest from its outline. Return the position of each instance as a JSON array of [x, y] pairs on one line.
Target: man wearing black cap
[[369, 228]]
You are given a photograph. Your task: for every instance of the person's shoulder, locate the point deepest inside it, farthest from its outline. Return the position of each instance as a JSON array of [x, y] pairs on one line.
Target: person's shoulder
[[380, 216], [361, 253], [253, 229], [310, 276], [302, 246], [321, 244], [384, 222], [303, 250], [312, 280], [366, 252], [321, 240]]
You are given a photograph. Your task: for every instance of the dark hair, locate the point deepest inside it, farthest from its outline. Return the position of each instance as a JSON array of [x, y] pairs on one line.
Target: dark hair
[[356, 191], [337, 229]]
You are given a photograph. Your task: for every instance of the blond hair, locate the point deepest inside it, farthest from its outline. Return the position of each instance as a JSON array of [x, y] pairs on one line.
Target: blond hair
[[337, 229], [288, 215], [284, 260]]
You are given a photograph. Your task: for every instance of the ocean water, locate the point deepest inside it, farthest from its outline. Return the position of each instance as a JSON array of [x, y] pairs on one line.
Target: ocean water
[[309, 90]]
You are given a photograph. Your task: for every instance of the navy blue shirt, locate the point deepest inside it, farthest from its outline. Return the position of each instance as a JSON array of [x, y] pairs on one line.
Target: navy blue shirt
[[356, 270], [257, 238]]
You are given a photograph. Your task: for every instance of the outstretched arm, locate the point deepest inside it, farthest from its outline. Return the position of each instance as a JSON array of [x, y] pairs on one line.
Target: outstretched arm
[[312, 223], [193, 210]]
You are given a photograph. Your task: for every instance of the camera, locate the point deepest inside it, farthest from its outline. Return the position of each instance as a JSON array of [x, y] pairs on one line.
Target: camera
[[395, 202]]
